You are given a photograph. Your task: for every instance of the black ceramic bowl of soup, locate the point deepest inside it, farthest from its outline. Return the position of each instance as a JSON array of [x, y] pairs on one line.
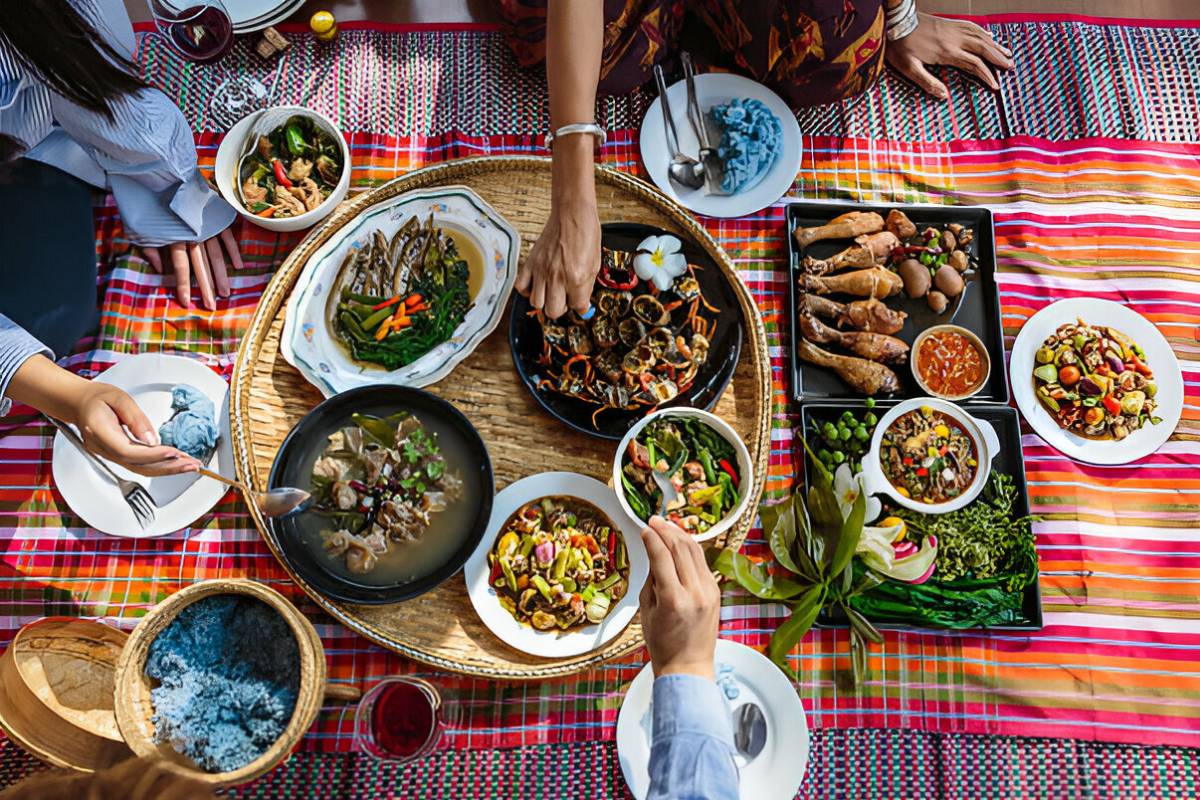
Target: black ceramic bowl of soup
[[398, 506]]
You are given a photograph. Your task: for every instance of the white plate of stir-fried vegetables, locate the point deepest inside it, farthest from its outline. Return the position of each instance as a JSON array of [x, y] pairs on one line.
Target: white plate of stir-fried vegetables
[[402, 293], [559, 570], [1097, 381], [705, 460]]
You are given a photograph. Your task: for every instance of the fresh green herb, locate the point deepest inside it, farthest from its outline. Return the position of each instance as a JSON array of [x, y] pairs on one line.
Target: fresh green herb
[[814, 548], [983, 540]]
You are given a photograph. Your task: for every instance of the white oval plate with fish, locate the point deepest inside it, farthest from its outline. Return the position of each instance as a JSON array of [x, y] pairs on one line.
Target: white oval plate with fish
[[744, 675], [1159, 357], [715, 88], [555, 643], [180, 499], [483, 238]]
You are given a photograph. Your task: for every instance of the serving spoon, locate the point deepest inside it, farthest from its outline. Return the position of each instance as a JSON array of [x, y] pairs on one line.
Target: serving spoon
[[273, 503], [684, 170]]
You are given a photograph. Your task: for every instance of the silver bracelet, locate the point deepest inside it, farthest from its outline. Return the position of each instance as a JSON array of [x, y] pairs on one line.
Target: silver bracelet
[[902, 20], [578, 127]]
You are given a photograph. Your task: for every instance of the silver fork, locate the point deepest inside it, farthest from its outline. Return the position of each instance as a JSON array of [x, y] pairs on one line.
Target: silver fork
[[140, 502]]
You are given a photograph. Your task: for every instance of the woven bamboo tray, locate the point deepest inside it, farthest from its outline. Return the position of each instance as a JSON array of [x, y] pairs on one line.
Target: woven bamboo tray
[[268, 397]]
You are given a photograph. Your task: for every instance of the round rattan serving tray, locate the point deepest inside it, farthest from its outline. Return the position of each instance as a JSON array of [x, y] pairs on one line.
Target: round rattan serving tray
[[268, 397]]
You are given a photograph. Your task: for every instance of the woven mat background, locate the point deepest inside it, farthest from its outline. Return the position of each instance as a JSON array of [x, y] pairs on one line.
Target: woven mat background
[[1089, 159]]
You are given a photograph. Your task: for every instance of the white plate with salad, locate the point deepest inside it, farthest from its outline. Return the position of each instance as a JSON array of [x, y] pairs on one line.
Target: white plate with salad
[[559, 570], [744, 675], [1096, 380]]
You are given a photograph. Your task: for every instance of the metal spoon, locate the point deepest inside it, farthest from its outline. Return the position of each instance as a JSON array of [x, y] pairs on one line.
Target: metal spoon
[[669, 493], [684, 170], [272, 503], [749, 731], [713, 166]]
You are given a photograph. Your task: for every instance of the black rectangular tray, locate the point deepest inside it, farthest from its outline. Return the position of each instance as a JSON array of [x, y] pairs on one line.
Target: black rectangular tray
[[977, 309], [1008, 427]]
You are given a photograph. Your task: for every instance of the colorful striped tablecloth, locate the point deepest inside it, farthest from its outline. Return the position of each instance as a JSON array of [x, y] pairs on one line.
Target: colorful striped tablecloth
[[1089, 158]]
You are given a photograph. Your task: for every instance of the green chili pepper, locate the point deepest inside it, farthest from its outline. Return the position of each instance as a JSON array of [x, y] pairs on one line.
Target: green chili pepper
[[526, 545], [609, 582], [710, 474], [372, 322], [540, 584], [295, 139], [568, 585], [509, 577], [560, 565]]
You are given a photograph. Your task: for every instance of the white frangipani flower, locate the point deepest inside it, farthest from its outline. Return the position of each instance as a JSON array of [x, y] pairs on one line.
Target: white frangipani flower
[[846, 487], [659, 261]]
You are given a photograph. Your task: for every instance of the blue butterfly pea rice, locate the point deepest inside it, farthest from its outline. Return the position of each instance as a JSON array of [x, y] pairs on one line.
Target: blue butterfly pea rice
[[751, 138], [228, 673]]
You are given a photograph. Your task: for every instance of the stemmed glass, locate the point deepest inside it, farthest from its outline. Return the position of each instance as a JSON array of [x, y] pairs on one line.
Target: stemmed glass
[[202, 32]]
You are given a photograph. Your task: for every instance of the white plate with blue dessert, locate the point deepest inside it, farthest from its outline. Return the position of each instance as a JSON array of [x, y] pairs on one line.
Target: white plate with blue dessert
[[756, 136], [190, 405]]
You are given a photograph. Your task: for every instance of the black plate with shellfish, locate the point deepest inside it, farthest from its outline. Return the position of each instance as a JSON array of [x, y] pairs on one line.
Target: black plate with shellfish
[[866, 280], [643, 348]]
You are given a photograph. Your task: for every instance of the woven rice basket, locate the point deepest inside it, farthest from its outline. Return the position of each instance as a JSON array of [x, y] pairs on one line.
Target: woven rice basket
[[268, 397], [134, 707]]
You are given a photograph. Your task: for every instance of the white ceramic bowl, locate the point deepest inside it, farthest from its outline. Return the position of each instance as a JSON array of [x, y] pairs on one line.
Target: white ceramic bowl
[[987, 447], [745, 467], [555, 644], [234, 144], [308, 346]]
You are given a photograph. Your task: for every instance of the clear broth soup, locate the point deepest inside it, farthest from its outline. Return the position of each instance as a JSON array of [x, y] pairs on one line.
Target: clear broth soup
[[404, 562]]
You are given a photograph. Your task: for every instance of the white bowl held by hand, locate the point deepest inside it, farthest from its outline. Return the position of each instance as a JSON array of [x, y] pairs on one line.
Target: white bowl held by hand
[[235, 144], [726, 431], [982, 434]]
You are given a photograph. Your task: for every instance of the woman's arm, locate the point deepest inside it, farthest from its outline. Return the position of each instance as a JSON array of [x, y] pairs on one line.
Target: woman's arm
[[561, 267], [98, 410]]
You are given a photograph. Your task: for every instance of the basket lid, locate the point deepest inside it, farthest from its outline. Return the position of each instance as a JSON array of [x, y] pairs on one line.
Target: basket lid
[[58, 678]]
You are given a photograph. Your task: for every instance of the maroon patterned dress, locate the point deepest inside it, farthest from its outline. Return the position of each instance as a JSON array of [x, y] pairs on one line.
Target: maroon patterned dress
[[809, 51]]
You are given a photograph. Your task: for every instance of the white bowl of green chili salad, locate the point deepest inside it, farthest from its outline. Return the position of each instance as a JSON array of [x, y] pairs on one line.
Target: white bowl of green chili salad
[[708, 464], [929, 455], [285, 168]]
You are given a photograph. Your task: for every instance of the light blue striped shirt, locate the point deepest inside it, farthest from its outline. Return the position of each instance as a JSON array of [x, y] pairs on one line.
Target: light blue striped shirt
[[145, 156], [691, 748]]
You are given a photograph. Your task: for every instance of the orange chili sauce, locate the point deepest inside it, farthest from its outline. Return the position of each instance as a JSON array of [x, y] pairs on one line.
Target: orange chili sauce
[[949, 364]]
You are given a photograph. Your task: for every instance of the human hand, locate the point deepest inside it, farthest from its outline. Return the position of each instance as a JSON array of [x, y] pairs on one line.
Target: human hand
[[205, 260], [680, 603], [955, 43], [562, 265], [99, 413]]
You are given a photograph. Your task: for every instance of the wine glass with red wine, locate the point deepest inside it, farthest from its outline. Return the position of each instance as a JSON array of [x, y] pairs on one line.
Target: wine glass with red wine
[[202, 32], [401, 719]]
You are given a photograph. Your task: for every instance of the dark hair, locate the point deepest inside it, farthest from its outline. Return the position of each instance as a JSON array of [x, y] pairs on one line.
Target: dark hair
[[54, 42]]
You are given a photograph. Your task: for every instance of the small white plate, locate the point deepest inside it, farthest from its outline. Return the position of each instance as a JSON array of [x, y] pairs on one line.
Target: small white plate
[[279, 14], [715, 88], [306, 342], [181, 499], [777, 772], [555, 644], [1159, 357]]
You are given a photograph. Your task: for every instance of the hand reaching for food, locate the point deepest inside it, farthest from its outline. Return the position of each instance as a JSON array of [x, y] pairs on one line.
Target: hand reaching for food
[[206, 261], [952, 42], [680, 603], [560, 270]]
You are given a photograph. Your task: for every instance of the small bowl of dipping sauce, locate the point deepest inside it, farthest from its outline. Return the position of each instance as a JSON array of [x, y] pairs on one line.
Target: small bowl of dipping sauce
[[950, 362]]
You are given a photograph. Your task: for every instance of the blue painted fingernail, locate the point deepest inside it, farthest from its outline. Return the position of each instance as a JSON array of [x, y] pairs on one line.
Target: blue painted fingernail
[[591, 312]]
